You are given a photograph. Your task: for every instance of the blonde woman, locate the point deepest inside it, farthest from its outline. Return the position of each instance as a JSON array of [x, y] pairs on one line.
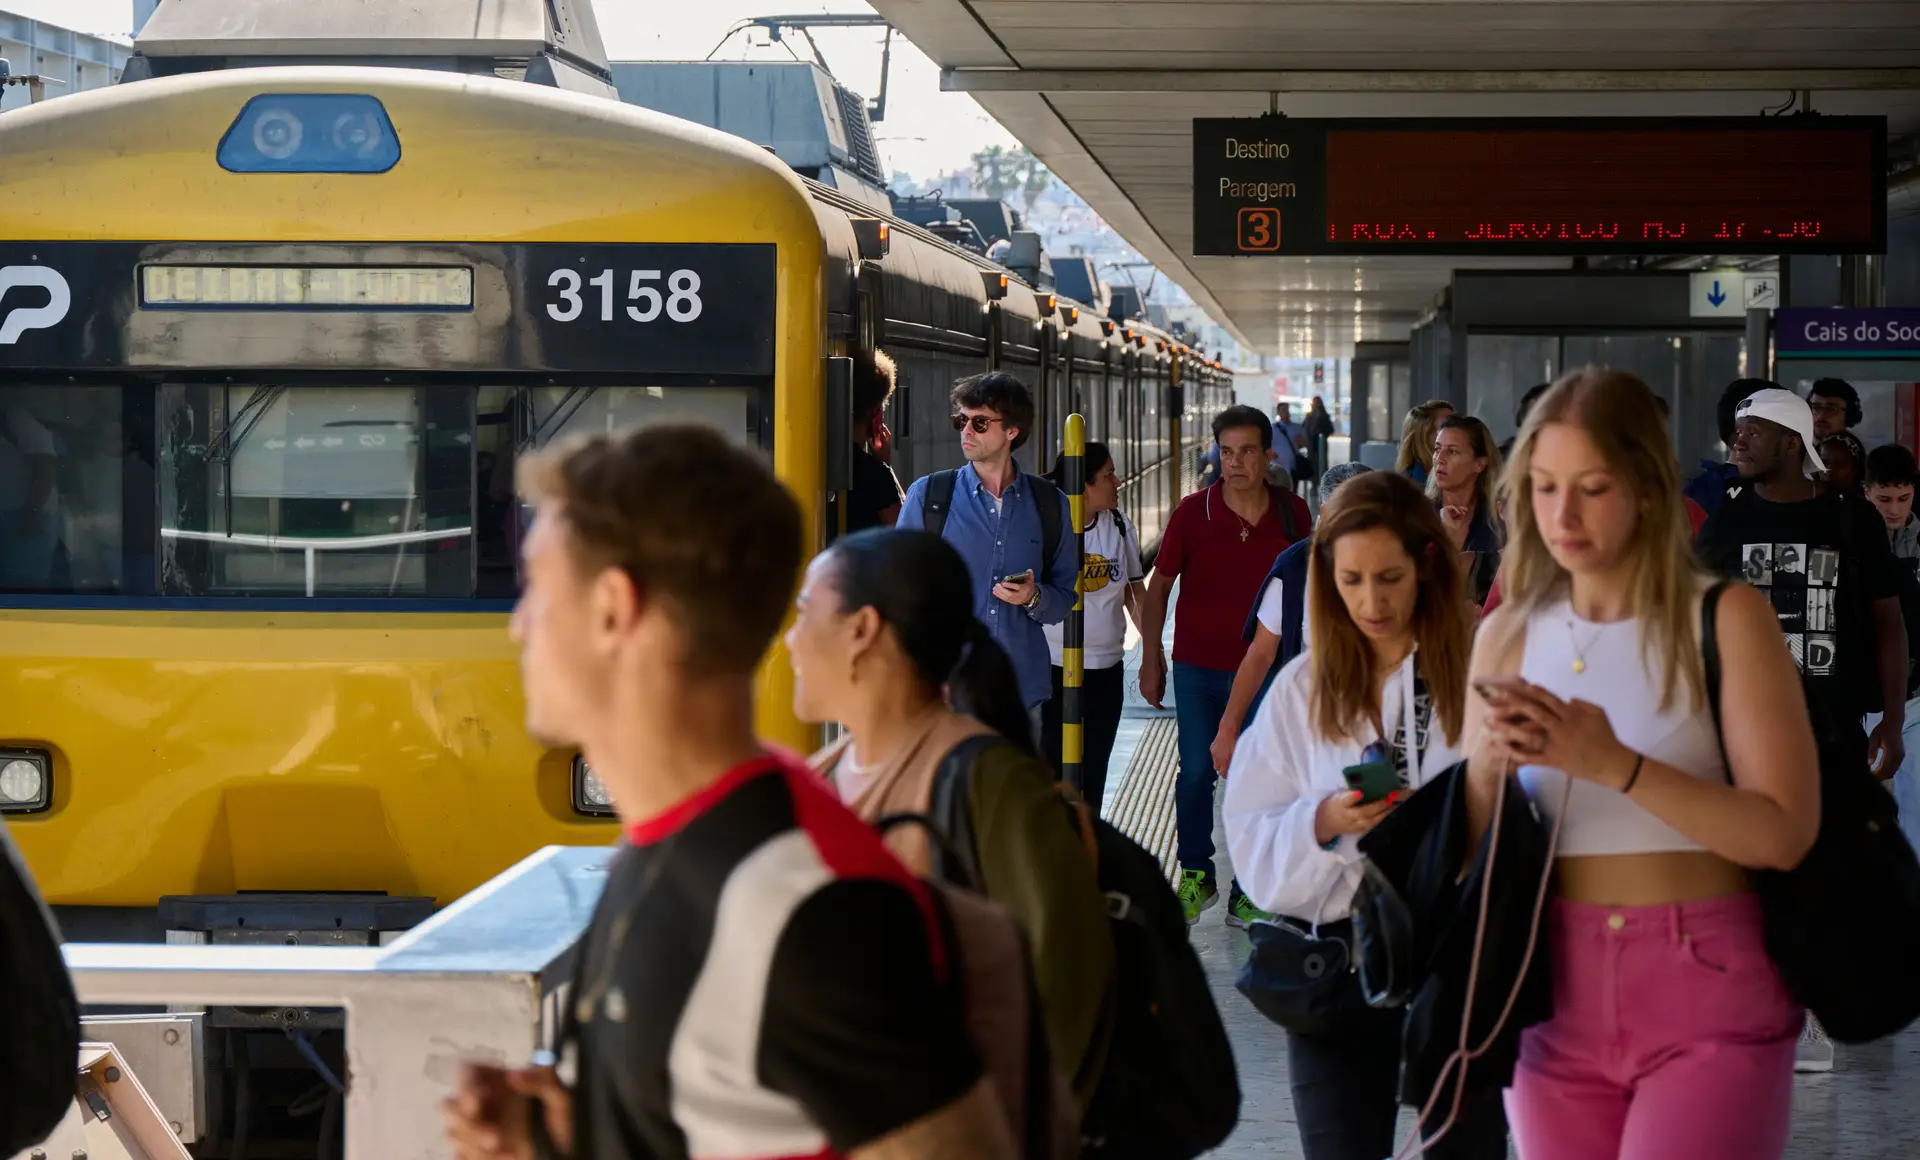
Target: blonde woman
[[1416, 439], [1672, 1032]]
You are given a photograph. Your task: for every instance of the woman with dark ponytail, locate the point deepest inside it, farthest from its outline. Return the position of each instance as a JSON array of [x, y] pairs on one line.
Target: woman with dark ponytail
[[884, 642]]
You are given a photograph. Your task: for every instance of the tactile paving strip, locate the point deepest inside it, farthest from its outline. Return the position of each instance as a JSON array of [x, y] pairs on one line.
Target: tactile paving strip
[[1144, 808]]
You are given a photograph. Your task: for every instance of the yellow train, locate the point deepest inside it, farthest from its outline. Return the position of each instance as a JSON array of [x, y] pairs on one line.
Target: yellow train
[[270, 339]]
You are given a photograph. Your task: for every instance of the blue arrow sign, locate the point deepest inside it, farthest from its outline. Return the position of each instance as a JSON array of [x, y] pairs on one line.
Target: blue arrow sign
[[1716, 298]]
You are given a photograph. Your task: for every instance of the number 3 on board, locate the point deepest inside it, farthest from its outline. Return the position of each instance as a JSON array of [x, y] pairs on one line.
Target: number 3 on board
[[681, 302], [1259, 229]]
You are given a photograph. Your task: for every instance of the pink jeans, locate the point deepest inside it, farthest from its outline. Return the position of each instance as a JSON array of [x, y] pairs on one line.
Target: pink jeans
[[1672, 1038]]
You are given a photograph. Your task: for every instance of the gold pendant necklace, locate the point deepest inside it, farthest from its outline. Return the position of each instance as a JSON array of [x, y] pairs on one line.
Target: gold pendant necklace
[[1579, 651]]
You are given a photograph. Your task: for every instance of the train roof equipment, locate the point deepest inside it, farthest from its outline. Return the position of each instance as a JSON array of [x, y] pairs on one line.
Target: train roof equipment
[[546, 42], [821, 128]]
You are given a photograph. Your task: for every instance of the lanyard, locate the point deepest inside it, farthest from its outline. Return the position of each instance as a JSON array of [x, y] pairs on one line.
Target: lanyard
[[1409, 720]]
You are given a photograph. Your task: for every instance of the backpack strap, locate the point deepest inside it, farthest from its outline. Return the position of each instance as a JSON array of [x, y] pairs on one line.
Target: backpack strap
[[1082, 816], [1710, 658], [1282, 499], [951, 809], [944, 852], [1046, 500], [937, 500]]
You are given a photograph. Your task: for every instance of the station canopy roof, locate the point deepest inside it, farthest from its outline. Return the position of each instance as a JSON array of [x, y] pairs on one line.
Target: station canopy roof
[[1105, 92]]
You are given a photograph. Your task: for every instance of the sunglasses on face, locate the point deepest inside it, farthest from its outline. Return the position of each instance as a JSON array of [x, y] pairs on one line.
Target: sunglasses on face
[[979, 423]]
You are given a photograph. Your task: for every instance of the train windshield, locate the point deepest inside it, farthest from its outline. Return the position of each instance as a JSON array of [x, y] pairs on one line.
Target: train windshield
[[259, 489]]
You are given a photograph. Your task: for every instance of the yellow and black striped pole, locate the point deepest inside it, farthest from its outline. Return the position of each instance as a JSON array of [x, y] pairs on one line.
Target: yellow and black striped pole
[[1073, 644]]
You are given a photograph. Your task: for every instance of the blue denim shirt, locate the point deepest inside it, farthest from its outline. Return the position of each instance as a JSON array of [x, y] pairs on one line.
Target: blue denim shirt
[[998, 546]]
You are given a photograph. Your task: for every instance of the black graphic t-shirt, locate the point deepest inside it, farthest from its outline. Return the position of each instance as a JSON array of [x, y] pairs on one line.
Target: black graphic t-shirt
[[1821, 563]]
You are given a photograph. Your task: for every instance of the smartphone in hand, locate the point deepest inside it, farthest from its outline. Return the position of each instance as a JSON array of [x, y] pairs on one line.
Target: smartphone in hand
[[1018, 577], [1374, 780], [1494, 690]]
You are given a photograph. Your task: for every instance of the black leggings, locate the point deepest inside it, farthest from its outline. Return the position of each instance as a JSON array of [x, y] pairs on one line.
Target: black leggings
[[1101, 695], [1345, 1088]]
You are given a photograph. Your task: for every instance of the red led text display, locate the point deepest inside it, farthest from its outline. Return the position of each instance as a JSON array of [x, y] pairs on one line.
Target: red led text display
[[1274, 185]]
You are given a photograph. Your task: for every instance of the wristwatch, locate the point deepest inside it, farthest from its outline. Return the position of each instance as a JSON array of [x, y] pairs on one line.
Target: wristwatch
[[1033, 601]]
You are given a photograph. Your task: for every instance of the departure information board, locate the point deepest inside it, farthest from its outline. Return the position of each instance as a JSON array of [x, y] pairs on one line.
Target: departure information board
[[1713, 185]]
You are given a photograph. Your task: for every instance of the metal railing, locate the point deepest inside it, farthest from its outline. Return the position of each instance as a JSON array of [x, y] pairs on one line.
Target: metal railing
[[311, 546], [479, 981]]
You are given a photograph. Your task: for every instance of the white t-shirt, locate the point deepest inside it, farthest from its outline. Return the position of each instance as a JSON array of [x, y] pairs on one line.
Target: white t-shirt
[[1270, 616], [1110, 563]]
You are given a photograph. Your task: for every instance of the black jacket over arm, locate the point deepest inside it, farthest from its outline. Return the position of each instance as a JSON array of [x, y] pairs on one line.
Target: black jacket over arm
[[1419, 849]]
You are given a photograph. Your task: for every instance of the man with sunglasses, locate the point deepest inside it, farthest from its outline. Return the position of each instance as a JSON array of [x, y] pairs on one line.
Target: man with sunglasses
[[993, 514]]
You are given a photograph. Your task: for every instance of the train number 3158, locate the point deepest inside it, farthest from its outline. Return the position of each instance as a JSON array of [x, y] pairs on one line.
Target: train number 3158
[[681, 302]]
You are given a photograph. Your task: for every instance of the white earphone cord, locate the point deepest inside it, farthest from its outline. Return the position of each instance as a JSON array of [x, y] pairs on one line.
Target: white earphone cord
[[1463, 1055]]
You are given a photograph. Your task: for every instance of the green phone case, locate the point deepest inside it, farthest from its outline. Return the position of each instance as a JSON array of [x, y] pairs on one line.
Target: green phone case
[[1374, 780]]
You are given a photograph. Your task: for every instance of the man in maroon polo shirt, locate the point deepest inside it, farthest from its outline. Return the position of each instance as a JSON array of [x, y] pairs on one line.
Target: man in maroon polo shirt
[[1223, 540]]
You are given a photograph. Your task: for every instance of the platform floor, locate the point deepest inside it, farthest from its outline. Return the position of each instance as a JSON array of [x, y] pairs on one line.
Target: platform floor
[[1868, 1108]]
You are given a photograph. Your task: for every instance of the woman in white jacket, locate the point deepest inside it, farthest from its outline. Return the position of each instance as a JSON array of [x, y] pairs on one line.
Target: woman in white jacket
[[1385, 682]]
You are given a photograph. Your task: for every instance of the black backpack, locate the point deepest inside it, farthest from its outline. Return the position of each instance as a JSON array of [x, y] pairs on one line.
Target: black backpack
[[1843, 927], [1169, 1089], [40, 1052], [938, 500]]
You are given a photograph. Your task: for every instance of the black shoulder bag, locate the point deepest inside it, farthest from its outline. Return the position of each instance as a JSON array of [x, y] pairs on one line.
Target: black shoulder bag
[[1843, 927], [1297, 977]]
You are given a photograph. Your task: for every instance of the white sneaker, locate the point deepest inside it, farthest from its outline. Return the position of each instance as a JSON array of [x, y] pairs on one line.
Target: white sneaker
[[1814, 1052]]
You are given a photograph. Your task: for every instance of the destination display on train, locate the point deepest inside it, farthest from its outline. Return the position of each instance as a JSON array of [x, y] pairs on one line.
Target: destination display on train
[[307, 287], [1715, 185]]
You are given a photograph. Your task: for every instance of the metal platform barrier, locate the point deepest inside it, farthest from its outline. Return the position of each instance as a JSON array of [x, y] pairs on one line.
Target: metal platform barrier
[[481, 981]]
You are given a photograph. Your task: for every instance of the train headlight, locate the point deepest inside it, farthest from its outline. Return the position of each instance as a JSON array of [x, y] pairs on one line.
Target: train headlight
[[590, 797], [277, 134], [26, 781], [310, 133]]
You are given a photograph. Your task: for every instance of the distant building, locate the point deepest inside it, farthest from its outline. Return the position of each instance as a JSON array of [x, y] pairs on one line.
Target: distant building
[[70, 61]]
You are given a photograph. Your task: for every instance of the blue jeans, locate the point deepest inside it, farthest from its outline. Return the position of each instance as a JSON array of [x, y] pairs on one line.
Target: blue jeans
[[1199, 702], [1906, 783]]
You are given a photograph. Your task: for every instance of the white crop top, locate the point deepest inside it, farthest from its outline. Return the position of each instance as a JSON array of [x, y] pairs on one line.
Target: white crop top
[[1616, 677]]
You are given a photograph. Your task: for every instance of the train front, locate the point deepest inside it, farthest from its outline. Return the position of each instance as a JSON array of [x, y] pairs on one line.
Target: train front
[[271, 340]]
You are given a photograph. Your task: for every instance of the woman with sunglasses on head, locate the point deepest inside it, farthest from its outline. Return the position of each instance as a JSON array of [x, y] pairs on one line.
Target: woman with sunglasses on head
[[883, 627], [1466, 464], [1111, 568], [1376, 701], [1672, 1034]]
